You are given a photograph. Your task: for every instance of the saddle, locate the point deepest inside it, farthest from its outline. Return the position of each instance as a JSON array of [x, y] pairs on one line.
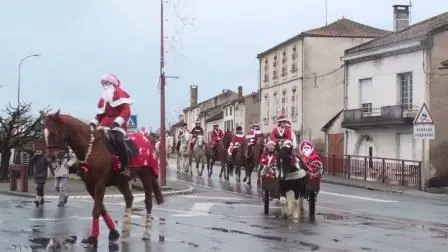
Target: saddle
[[131, 147]]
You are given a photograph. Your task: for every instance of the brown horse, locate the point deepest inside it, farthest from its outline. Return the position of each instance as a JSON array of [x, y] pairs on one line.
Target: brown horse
[[253, 158], [98, 169], [219, 155], [239, 159]]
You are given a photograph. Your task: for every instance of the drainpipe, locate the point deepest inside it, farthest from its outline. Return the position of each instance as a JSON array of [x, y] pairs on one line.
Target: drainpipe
[[303, 79], [346, 65]]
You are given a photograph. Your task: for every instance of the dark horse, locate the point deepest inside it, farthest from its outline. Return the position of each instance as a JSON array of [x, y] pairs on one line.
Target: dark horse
[[292, 179], [99, 169], [239, 159], [219, 155], [253, 157]]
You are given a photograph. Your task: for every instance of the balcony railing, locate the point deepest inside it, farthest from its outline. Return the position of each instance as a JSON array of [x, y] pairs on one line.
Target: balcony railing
[[374, 169], [383, 116]]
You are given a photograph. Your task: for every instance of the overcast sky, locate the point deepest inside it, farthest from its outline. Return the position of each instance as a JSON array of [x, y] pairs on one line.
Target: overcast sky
[[211, 43]]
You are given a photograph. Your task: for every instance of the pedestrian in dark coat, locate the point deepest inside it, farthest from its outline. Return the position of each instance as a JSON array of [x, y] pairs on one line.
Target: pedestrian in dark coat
[[40, 165]]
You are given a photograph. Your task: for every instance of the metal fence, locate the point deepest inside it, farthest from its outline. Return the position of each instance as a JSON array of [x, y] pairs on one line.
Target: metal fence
[[374, 169]]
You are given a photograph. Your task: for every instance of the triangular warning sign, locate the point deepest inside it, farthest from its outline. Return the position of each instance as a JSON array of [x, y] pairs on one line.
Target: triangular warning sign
[[423, 116], [131, 123]]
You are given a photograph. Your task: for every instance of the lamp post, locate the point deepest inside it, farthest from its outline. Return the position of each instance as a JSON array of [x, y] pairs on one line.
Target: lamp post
[[19, 74]]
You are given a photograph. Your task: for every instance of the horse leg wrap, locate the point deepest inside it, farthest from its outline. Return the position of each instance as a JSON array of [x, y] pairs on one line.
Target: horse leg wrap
[[109, 222], [295, 212], [96, 227], [301, 208], [148, 227], [283, 206], [126, 223]]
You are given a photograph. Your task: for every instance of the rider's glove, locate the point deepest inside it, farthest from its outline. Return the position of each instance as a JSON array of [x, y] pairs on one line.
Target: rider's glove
[[115, 125]]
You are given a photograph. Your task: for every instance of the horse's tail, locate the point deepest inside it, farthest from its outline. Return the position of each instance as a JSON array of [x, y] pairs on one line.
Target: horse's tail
[[157, 191]]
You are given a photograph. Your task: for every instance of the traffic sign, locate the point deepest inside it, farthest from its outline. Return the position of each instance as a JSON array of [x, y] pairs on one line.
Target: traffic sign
[[132, 123], [424, 127], [423, 116]]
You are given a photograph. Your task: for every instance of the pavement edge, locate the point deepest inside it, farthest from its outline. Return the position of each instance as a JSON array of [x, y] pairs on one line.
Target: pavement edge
[[365, 187]]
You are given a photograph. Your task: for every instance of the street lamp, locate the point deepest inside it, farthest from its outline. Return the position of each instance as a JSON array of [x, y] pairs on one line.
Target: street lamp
[[18, 78]]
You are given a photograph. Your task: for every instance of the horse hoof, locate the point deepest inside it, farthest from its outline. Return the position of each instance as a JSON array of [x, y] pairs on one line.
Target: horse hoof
[[244, 179], [113, 235], [91, 242]]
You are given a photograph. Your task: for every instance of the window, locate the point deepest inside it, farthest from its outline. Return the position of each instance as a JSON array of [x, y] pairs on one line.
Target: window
[[266, 116], [266, 77], [284, 59], [274, 64], [293, 105], [284, 71], [266, 70], [294, 53], [366, 88], [405, 88], [230, 110], [293, 68], [274, 75]]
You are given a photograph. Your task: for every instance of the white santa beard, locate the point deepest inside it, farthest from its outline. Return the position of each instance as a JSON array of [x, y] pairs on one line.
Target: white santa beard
[[108, 93]]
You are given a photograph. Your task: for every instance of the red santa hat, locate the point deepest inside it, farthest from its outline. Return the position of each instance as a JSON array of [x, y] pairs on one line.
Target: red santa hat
[[306, 147], [270, 143], [111, 78], [282, 118], [197, 121]]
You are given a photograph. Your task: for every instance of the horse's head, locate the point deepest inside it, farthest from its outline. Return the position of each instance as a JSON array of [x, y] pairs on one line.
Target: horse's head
[[227, 139], [61, 131], [200, 141]]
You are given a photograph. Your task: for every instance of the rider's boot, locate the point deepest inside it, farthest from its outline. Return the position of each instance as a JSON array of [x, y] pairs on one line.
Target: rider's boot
[[122, 152]]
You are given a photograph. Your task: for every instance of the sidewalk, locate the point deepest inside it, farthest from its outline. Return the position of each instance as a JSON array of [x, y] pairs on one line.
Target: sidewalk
[[76, 189], [383, 187]]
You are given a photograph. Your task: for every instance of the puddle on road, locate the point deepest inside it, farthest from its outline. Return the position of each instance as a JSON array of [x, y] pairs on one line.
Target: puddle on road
[[304, 245]]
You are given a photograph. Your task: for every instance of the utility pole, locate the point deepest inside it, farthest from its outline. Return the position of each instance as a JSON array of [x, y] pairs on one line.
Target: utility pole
[[163, 163]]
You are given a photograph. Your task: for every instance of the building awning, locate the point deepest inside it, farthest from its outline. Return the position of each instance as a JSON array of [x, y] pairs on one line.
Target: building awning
[[330, 123]]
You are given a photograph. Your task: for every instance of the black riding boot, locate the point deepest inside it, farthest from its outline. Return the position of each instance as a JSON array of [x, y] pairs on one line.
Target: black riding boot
[[120, 147]]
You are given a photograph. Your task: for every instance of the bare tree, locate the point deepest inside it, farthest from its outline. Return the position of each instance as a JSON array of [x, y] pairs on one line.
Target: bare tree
[[17, 128]]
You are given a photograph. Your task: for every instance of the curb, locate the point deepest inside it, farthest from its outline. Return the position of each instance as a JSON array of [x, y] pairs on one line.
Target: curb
[[189, 190], [365, 187]]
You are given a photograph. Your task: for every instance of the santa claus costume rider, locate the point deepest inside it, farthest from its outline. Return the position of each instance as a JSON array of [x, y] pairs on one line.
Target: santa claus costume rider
[[309, 155], [181, 133], [253, 133], [268, 160], [196, 131], [113, 111], [237, 140], [282, 132], [216, 136]]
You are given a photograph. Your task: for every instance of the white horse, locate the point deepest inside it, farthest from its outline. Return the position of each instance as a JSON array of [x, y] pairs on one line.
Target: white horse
[[198, 155], [183, 156]]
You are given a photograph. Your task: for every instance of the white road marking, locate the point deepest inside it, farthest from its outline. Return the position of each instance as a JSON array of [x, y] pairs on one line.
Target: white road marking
[[198, 209], [358, 197], [321, 192], [191, 196]]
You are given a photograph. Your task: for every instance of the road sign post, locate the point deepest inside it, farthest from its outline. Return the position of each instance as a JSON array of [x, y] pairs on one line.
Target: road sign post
[[132, 123], [424, 129]]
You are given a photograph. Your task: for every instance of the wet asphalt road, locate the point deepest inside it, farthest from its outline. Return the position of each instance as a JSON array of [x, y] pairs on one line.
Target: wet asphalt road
[[223, 216]]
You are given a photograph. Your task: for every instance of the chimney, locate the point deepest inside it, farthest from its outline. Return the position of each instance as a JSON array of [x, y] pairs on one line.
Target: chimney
[[401, 17], [240, 92], [193, 95]]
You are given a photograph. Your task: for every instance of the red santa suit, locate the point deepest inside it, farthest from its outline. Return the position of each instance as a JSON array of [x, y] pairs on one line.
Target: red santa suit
[[279, 133], [216, 136], [113, 106], [268, 161], [237, 139], [311, 159]]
